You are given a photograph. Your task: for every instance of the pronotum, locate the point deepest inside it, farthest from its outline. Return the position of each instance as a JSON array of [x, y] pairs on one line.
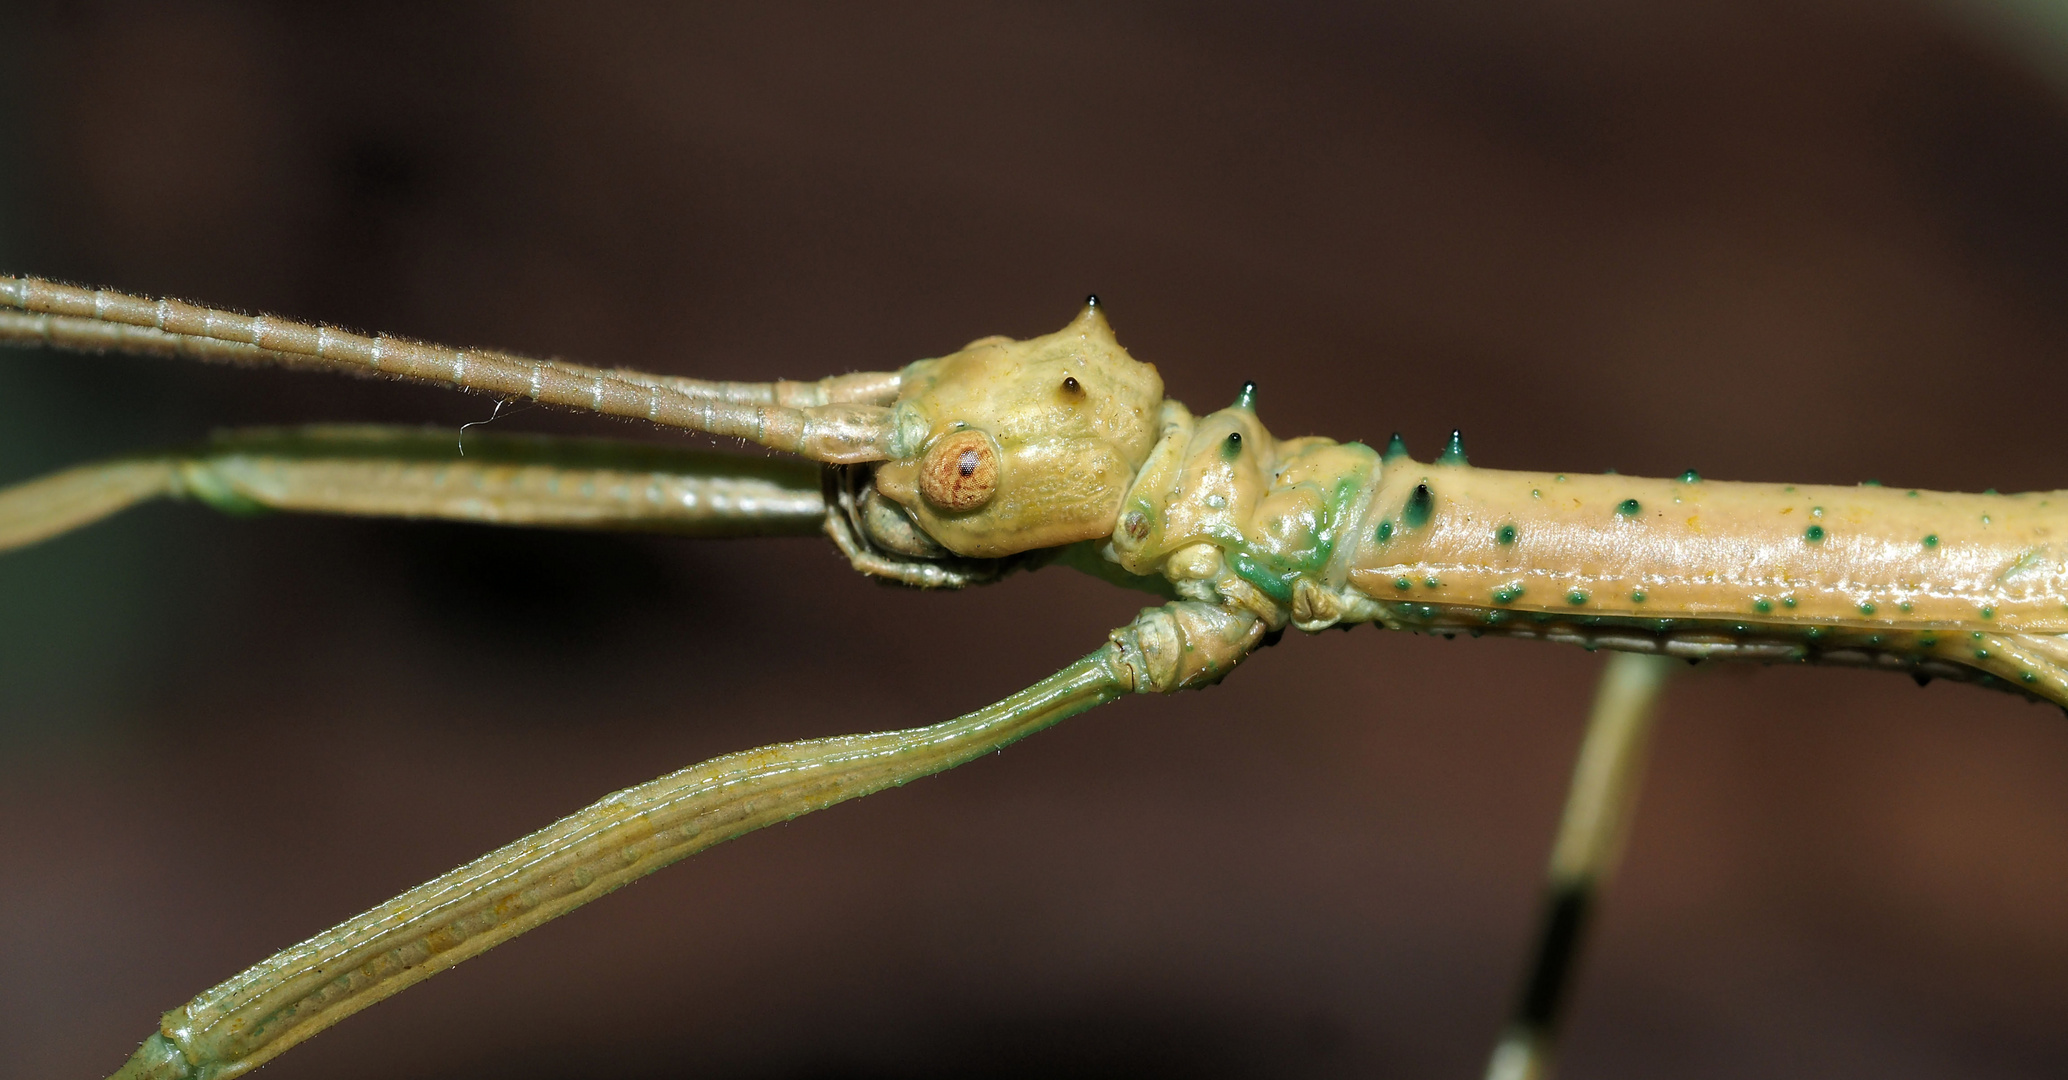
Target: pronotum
[[1008, 455]]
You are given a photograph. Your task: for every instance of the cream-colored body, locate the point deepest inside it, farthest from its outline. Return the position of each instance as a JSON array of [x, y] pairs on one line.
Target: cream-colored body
[[1311, 533], [1865, 556]]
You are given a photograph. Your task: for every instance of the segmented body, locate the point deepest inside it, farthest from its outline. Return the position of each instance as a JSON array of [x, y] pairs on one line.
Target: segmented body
[[1316, 533]]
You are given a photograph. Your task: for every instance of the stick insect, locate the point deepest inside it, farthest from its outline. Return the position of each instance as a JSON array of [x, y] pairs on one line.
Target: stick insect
[[1007, 456]]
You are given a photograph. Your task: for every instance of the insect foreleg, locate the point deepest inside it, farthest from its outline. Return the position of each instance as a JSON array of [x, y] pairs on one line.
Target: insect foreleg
[[1590, 841], [381, 471], [36, 510]]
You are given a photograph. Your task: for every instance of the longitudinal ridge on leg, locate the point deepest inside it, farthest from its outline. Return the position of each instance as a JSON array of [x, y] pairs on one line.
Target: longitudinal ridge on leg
[[440, 474]]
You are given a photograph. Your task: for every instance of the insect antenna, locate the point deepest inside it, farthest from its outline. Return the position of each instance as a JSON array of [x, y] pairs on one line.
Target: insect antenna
[[839, 420]]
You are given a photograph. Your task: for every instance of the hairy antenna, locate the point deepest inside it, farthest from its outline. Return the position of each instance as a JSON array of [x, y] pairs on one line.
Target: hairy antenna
[[840, 420]]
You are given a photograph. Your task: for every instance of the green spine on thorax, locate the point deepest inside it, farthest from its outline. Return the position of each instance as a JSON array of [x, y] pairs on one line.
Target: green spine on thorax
[[1454, 451], [1419, 506]]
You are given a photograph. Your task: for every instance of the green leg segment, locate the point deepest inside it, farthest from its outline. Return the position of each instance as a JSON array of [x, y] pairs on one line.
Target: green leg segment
[[277, 1003], [246, 1021]]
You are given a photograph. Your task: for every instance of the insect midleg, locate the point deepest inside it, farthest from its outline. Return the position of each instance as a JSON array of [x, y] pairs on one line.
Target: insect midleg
[[255, 1015], [384, 471], [1583, 858]]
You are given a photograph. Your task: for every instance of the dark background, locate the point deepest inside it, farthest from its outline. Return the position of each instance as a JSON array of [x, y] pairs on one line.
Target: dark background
[[1776, 241]]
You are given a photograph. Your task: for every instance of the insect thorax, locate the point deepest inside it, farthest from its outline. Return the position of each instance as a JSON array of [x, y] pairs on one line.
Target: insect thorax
[[1226, 511]]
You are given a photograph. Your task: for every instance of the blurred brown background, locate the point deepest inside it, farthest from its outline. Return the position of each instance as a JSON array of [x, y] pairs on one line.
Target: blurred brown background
[[1801, 241]]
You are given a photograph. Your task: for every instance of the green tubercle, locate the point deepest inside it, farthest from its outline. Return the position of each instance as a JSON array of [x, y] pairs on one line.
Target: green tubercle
[[1628, 507], [1454, 451], [1814, 534], [1762, 605], [1385, 532], [1403, 584], [1576, 598], [1690, 477], [1247, 399], [1637, 596], [1931, 540], [1507, 594], [1867, 609], [1419, 506], [1987, 613], [1504, 535], [1231, 447], [1396, 448]]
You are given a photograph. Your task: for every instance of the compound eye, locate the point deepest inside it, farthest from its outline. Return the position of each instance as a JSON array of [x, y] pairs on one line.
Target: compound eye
[[960, 472]]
